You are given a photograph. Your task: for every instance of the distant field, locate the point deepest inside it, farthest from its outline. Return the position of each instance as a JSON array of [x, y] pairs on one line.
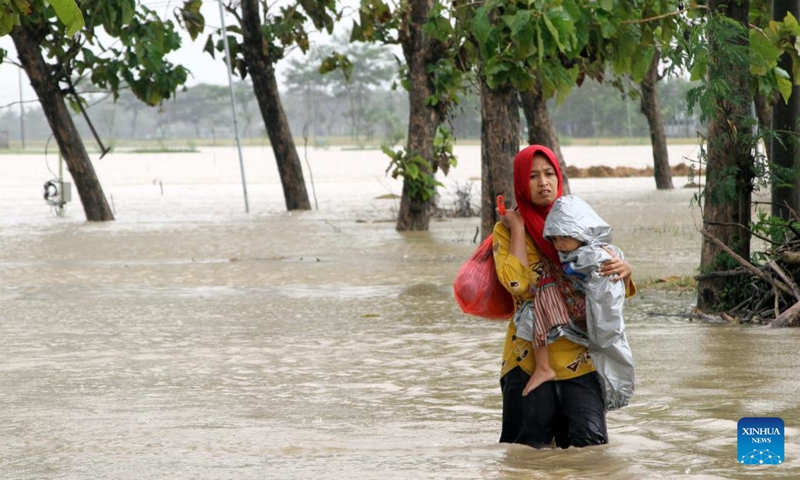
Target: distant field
[[184, 144]]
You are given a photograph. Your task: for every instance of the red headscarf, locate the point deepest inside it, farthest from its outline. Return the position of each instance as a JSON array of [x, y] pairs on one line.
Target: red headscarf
[[534, 215]]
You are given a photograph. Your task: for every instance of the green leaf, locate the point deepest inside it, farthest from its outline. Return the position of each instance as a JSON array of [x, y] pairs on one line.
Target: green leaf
[[439, 28], [209, 46], [481, 26], [412, 170], [70, 15], [73, 104], [127, 7], [88, 56], [522, 33], [558, 19], [357, 33], [795, 66], [554, 32], [607, 28], [318, 12], [790, 21], [7, 22], [337, 61], [699, 68], [641, 63], [759, 70], [785, 87], [764, 53], [622, 64], [495, 66], [192, 18]]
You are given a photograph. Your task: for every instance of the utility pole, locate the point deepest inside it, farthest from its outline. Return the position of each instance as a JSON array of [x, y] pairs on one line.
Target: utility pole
[[233, 104], [628, 115], [21, 112]]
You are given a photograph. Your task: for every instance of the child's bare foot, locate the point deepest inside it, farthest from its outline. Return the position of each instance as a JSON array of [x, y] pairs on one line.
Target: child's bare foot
[[538, 378]]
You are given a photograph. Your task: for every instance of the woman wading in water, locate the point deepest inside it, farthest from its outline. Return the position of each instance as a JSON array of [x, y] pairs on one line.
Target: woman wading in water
[[567, 407]]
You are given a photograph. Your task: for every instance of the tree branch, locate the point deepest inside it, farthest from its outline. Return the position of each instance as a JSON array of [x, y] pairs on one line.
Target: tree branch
[[665, 15], [763, 276], [786, 278], [727, 273], [750, 232], [788, 317]]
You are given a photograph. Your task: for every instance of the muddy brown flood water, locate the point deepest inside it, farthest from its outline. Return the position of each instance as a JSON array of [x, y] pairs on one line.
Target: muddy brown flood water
[[188, 339]]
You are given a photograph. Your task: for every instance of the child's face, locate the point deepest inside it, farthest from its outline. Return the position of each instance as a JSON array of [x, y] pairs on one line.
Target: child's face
[[565, 244]]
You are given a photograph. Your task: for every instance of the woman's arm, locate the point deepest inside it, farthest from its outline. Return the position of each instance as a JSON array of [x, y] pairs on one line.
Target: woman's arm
[[514, 223], [511, 261]]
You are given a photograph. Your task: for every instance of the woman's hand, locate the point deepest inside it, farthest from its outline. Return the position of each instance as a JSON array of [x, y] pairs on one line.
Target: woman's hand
[[616, 267], [512, 220]]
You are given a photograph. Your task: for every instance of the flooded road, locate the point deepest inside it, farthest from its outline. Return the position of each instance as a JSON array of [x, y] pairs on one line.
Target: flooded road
[[188, 339]]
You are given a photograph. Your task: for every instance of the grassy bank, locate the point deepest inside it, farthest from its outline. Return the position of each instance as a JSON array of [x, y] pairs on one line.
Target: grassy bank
[[676, 283]]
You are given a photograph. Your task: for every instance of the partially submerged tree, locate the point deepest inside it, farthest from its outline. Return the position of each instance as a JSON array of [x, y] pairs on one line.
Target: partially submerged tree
[[651, 108], [262, 37], [430, 74], [729, 163], [659, 26], [58, 64], [741, 62]]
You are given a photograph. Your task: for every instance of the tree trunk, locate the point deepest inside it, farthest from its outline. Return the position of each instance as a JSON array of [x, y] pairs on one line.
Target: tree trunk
[[265, 87], [729, 169], [652, 111], [423, 120], [541, 130], [69, 141], [499, 145], [783, 150]]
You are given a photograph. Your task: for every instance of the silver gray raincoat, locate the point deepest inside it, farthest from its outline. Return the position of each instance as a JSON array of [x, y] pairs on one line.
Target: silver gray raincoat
[[572, 217]]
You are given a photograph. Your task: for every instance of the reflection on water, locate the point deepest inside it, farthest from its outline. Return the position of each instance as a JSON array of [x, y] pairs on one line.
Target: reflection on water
[[189, 340]]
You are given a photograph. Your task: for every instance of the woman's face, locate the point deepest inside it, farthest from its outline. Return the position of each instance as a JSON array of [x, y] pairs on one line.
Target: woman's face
[[544, 181]]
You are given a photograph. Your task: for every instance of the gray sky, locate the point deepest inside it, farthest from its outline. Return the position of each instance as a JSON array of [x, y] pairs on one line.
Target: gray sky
[[203, 68]]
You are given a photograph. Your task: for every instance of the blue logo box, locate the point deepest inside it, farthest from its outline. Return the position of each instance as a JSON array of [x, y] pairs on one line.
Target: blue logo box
[[760, 441]]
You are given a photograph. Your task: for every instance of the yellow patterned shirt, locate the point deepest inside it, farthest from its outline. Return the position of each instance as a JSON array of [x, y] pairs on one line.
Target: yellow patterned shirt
[[568, 359]]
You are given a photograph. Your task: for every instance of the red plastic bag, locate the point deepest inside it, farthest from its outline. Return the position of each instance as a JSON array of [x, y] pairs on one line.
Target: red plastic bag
[[478, 290]]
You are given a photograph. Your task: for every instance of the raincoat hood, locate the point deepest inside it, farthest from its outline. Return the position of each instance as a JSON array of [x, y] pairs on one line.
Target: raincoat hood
[[572, 217]]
